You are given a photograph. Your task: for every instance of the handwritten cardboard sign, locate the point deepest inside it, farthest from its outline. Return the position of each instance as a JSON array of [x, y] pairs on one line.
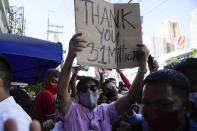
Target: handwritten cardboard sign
[[111, 31]]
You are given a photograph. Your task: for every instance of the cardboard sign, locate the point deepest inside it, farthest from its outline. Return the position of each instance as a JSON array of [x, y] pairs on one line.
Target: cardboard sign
[[111, 31]]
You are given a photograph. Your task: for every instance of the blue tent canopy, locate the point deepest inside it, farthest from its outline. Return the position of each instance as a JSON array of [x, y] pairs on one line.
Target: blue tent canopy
[[30, 57]]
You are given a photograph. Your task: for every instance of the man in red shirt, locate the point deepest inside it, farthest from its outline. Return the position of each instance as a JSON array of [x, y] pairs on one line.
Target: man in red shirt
[[45, 100]]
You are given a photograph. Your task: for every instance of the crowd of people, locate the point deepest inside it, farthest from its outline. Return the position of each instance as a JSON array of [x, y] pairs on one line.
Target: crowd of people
[[163, 100]]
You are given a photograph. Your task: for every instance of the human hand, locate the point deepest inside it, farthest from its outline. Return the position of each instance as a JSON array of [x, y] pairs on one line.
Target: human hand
[[35, 126], [142, 54], [102, 71], [152, 64], [100, 91], [10, 125], [48, 125], [76, 70], [76, 44], [155, 65], [170, 66]]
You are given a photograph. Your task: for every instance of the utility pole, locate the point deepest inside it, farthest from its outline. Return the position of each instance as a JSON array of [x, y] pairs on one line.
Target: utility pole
[[53, 29]]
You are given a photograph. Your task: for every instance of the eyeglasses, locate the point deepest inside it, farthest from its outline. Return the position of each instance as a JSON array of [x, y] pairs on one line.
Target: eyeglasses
[[92, 88]]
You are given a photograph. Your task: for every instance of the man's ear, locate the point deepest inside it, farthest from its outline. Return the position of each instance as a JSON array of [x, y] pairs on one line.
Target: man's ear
[[189, 107]]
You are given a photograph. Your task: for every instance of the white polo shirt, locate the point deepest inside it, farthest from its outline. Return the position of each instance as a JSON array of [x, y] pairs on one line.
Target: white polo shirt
[[10, 109]]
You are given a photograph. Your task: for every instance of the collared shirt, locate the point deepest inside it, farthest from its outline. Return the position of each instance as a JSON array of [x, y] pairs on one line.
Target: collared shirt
[[10, 109], [101, 118]]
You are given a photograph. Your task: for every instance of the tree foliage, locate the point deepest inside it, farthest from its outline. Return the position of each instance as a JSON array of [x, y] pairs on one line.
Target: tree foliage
[[35, 88], [194, 52], [174, 59]]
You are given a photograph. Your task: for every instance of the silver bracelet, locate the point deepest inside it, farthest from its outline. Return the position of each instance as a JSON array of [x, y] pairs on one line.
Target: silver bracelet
[[142, 70]]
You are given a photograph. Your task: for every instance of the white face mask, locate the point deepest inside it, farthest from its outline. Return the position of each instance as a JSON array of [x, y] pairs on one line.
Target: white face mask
[[88, 99]]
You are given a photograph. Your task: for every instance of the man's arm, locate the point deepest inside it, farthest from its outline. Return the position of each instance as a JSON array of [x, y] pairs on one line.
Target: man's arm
[[102, 78], [73, 83], [123, 104], [76, 45], [152, 64], [124, 78]]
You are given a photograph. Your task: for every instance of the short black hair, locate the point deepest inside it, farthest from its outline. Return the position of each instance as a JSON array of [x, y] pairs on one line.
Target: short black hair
[[51, 73], [5, 72], [185, 64], [105, 83], [111, 79], [179, 83], [86, 79]]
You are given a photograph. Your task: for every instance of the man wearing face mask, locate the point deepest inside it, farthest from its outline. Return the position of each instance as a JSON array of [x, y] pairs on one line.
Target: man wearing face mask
[[45, 100], [109, 90], [165, 97], [87, 115], [87, 92]]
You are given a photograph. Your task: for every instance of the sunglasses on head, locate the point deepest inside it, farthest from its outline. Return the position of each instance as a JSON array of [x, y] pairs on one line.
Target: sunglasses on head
[[92, 88]]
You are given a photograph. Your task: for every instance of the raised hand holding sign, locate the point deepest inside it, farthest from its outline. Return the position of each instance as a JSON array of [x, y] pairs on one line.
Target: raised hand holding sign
[[112, 32]]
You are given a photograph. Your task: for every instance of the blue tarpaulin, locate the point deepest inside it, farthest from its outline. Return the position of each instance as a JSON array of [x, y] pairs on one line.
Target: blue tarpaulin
[[30, 57]]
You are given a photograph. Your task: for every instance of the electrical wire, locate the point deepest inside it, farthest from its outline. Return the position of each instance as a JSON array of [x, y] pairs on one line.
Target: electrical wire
[[151, 10]]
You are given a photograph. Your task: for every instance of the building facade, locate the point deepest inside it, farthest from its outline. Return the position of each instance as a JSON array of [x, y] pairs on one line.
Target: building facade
[[4, 16], [194, 28], [170, 30], [157, 46]]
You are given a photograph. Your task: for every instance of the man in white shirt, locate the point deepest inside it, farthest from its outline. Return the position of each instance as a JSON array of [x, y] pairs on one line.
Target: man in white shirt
[[8, 107]]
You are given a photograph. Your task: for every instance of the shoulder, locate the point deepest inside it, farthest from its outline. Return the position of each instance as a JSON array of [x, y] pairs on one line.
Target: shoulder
[[106, 108], [44, 95], [45, 92], [16, 112], [74, 108]]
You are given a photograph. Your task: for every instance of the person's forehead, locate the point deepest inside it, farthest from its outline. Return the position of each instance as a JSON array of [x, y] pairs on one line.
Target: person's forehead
[[158, 91], [110, 85], [114, 81]]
